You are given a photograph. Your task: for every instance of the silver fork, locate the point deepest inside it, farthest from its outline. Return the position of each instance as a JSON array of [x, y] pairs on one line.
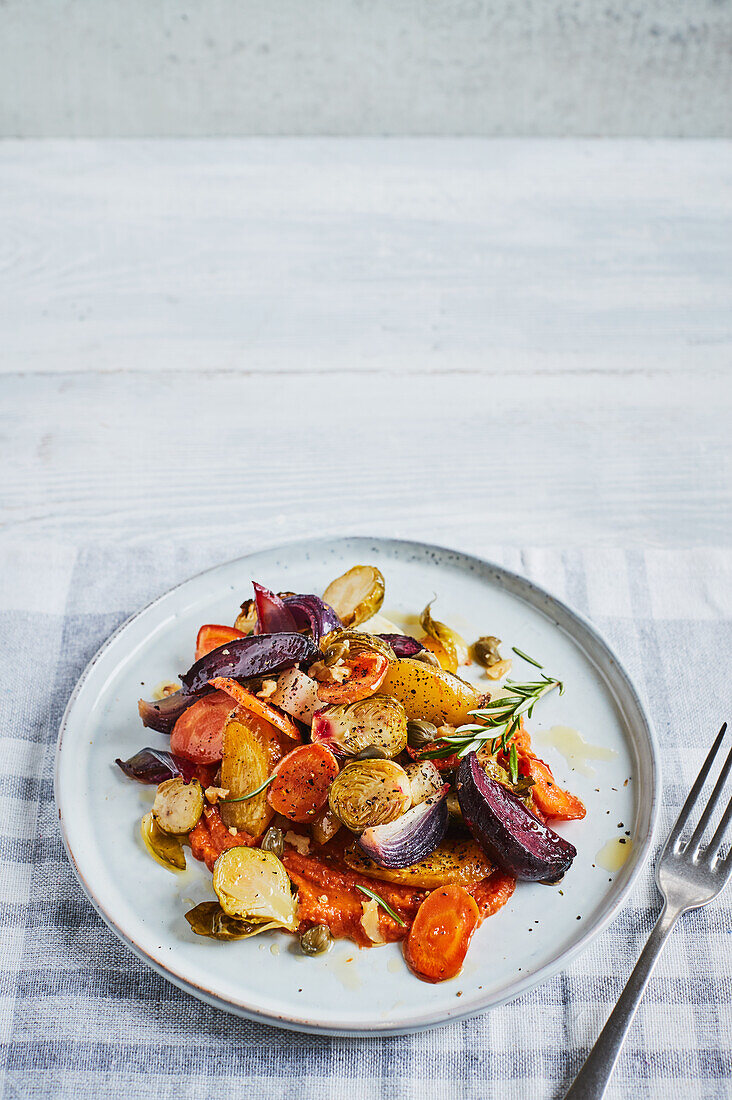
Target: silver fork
[[688, 876]]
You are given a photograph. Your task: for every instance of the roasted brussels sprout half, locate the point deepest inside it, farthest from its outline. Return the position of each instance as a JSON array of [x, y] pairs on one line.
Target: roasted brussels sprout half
[[452, 650], [379, 721], [356, 595], [317, 940], [209, 919], [253, 885], [167, 850], [420, 734], [342, 644], [178, 805], [370, 792]]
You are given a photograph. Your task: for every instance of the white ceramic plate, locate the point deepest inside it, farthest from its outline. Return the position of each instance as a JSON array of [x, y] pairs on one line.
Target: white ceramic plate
[[351, 991]]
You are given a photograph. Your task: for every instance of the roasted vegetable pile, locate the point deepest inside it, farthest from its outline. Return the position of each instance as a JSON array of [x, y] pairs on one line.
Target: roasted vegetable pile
[[339, 778]]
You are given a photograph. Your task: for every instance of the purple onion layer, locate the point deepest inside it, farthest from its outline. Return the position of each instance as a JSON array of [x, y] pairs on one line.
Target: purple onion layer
[[410, 838]]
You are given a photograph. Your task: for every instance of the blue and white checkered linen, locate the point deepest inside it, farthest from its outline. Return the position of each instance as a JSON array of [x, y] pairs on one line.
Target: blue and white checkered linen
[[81, 1017]]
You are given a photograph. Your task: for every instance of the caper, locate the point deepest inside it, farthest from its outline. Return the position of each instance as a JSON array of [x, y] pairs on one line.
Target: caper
[[485, 651], [316, 940], [372, 752], [420, 733], [273, 841]]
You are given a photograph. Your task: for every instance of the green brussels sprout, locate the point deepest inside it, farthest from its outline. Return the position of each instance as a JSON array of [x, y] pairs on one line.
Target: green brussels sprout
[[379, 721], [357, 594], [370, 792], [209, 919]]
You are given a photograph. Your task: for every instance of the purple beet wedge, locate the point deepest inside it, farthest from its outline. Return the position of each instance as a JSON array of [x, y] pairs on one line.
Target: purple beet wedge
[[509, 834]]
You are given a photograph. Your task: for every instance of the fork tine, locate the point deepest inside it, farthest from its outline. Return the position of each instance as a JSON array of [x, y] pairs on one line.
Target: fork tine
[[694, 844], [695, 790], [716, 842]]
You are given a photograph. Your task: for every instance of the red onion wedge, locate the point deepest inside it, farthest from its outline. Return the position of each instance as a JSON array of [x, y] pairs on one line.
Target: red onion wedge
[[310, 612], [153, 766], [412, 837], [255, 655], [272, 615], [162, 714], [402, 644], [506, 830]]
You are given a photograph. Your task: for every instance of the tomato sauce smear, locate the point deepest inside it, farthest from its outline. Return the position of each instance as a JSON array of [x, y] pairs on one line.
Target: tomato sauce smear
[[327, 889]]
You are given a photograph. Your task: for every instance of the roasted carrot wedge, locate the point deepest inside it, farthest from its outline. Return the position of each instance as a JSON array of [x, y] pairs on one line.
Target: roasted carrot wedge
[[300, 787], [365, 674], [549, 798], [253, 703], [213, 635], [440, 936]]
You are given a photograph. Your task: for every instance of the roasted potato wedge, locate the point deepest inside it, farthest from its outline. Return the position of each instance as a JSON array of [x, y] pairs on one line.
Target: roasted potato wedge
[[453, 863], [429, 693], [252, 748]]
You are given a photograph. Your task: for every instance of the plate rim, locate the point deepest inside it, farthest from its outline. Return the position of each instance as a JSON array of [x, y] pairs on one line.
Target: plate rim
[[641, 849]]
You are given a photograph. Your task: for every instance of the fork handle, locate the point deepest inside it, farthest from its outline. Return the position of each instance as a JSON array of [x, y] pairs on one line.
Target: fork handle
[[593, 1078]]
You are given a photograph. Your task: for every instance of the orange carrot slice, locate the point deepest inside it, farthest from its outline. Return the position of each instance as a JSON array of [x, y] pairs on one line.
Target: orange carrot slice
[[251, 702], [302, 781], [213, 635], [439, 938]]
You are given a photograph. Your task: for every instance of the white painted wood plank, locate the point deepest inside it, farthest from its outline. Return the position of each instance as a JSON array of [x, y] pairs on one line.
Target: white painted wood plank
[[363, 255], [465, 460]]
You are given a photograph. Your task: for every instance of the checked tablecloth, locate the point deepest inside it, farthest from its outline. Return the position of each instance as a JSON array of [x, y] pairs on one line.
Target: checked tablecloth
[[81, 1017]]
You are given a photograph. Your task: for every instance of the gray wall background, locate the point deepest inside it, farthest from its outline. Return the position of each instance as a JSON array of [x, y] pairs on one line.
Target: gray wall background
[[235, 67]]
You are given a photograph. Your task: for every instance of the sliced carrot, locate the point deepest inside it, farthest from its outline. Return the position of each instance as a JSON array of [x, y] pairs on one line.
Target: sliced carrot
[[550, 799], [213, 635], [199, 732], [253, 703], [302, 781], [366, 672], [438, 940]]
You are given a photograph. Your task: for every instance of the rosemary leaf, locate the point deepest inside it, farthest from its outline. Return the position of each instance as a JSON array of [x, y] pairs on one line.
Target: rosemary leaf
[[525, 657], [251, 794], [380, 901]]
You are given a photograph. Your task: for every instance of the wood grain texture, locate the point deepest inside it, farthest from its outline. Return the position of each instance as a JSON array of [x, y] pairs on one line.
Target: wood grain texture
[[458, 460], [474, 343], [406, 256]]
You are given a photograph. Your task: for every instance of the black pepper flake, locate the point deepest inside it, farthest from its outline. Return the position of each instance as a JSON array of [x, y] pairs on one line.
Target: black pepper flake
[[579, 918]]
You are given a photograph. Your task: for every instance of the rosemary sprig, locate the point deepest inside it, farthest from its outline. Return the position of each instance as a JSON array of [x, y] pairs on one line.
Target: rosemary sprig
[[251, 794], [380, 901], [498, 721]]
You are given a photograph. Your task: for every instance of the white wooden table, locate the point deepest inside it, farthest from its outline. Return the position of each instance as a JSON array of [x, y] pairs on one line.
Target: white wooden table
[[524, 341]]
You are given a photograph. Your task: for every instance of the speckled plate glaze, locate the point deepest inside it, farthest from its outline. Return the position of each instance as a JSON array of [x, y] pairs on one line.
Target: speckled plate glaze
[[348, 991]]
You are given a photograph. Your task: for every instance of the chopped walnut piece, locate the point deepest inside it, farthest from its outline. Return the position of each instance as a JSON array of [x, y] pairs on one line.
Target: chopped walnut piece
[[213, 794], [499, 669], [267, 690], [329, 674]]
